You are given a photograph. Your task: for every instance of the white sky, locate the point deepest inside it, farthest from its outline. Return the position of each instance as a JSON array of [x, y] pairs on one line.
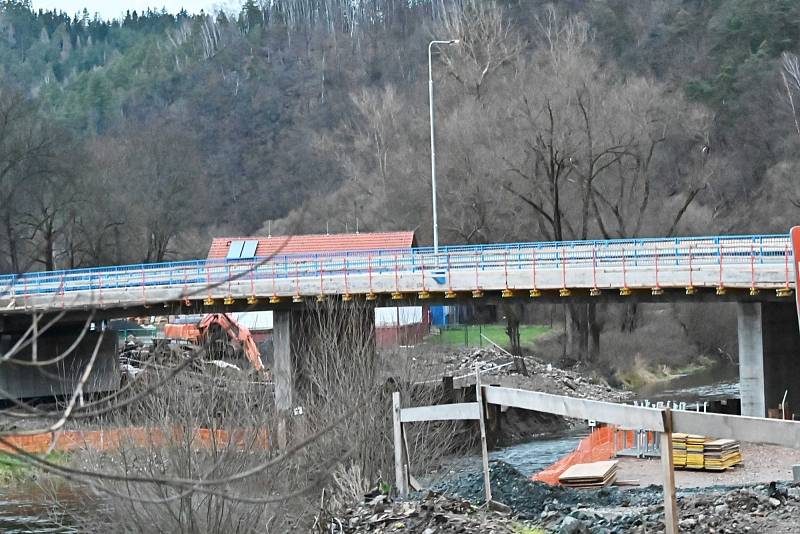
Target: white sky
[[110, 9]]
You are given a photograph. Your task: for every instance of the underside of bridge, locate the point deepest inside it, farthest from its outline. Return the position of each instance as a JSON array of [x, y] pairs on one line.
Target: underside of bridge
[[769, 352], [54, 364]]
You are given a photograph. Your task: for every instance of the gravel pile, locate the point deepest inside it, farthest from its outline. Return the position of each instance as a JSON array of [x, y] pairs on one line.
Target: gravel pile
[[773, 508]]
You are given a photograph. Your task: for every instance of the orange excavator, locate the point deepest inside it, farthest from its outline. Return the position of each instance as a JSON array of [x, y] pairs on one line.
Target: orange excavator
[[201, 332]]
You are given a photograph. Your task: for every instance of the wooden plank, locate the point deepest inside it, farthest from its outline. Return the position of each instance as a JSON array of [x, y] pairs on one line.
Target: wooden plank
[[668, 471], [606, 412], [487, 483], [589, 471], [749, 429], [442, 412], [399, 471]]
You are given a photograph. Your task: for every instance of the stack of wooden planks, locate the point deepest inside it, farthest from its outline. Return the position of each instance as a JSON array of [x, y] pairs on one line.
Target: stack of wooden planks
[[721, 454], [690, 451], [679, 449], [591, 475], [694, 451]]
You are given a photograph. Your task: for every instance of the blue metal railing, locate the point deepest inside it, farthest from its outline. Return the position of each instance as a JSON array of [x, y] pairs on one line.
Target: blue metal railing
[[711, 250]]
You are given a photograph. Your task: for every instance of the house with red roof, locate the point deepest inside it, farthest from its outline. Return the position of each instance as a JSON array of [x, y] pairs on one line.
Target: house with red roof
[[261, 247], [397, 325]]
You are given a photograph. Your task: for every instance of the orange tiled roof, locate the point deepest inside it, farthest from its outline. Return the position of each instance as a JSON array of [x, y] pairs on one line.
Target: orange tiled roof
[[309, 244]]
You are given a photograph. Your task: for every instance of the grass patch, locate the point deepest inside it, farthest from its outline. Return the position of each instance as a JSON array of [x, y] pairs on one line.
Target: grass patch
[[13, 468], [470, 335]]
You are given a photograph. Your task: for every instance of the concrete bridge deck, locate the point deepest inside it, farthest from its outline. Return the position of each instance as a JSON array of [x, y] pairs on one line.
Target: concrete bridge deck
[[757, 267]]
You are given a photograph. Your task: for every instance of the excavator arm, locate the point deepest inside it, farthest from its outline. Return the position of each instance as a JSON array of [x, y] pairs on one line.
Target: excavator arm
[[236, 331]]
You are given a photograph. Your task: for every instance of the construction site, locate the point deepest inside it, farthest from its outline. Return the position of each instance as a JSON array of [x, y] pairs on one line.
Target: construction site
[[457, 415]]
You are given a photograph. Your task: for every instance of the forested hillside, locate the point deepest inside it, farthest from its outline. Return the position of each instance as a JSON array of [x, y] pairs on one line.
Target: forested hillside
[[139, 139]]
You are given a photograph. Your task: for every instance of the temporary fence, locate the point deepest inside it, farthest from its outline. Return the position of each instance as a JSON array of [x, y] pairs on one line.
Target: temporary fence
[[661, 422], [102, 440], [602, 444]]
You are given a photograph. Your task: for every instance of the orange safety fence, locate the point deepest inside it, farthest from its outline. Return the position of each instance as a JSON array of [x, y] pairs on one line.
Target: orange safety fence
[[102, 440], [598, 446]]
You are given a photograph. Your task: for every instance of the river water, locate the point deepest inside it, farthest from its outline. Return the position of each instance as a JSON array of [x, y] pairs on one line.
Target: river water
[[715, 383], [22, 510]]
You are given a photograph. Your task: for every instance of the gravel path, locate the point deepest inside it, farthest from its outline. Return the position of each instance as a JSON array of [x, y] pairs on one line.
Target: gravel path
[[762, 464]]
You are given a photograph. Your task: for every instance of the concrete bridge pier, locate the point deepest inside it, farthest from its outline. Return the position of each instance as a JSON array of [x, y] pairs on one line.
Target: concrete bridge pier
[[314, 331], [769, 357]]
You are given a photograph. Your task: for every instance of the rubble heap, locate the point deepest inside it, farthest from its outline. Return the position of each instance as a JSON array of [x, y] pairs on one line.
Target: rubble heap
[[430, 513], [497, 367]]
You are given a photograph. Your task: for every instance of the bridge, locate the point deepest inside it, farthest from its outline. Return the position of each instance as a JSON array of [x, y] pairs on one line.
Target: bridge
[[757, 271], [741, 267]]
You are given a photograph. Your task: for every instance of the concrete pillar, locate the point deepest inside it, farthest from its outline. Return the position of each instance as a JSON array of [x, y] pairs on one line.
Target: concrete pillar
[[781, 342], [769, 357], [282, 371], [751, 359]]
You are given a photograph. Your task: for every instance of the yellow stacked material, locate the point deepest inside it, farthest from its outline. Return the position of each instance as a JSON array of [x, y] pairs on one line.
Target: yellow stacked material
[[679, 450], [694, 451], [721, 454]]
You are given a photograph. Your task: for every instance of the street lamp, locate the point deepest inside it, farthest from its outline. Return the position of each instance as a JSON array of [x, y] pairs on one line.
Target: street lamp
[[433, 146]]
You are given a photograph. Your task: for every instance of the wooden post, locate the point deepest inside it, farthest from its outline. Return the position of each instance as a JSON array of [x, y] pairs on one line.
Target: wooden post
[[484, 452], [668, 470], [399, 471]]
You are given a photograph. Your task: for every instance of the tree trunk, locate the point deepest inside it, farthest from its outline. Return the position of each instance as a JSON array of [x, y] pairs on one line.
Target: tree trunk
[[13, 252], [594, 328], [630, 317], [582, 333], [512, 330]]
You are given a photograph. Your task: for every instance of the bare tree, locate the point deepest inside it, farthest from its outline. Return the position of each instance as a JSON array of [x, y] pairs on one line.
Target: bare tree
[[31, 151], [487, 43], [790, 74]]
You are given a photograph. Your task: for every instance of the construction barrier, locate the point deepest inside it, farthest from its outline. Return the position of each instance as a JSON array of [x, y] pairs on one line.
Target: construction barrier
[[101, 440], [602, 444]]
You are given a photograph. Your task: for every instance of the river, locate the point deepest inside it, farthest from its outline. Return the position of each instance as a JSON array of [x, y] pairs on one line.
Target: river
[[22, 510], [714, 383]]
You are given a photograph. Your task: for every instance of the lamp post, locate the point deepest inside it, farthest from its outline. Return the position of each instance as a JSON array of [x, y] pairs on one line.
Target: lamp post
[[433, 145]]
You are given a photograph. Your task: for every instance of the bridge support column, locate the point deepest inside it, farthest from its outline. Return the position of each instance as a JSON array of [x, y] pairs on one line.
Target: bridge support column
[[305, 341], [769, 357], [283, 370], [751, 359]]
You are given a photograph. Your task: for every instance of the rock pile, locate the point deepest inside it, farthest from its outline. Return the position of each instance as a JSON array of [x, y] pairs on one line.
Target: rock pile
[[498, 367], [430, 513]]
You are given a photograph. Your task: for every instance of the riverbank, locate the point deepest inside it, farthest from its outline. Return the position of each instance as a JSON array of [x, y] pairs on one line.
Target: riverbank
[[642, 375]]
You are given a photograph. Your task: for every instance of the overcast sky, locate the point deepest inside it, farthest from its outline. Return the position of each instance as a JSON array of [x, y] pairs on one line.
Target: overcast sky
[[110, 9]]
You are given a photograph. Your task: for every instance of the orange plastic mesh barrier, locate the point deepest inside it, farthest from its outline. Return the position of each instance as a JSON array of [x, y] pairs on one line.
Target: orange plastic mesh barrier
[[598, 446], [136, 436]]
